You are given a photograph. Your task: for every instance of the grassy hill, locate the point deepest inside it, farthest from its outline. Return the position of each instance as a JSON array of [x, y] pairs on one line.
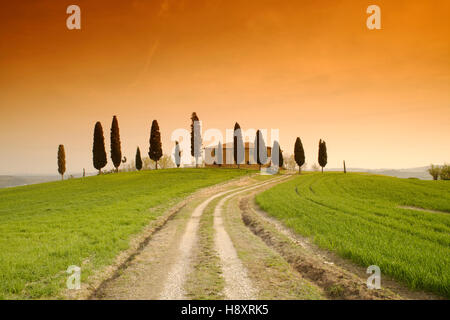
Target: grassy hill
[[47, 227], [366, 218]]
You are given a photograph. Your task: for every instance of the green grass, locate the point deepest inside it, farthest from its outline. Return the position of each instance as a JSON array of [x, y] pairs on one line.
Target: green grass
[[86, 222], [358, 216]]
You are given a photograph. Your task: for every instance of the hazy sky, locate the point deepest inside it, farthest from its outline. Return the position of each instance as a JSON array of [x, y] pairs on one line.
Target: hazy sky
[[310, 68]]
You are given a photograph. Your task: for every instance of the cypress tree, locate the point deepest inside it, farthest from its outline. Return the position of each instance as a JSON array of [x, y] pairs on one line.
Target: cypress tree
[[299, 154], [61, 161], [323, 157], [219, 154], [238, 145], [276, 152], [281, 159], [98, 150], [138, 160], [255, 148], [116, 152], [177, 154], [155, 150], [260, 149], [196, 139]]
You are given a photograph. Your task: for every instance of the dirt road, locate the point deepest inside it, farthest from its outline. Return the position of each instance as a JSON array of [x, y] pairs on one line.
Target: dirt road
[[220, 246], [161, 268]]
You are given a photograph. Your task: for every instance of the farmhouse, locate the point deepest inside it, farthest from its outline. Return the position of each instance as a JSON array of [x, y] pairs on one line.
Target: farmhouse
[[227, 155]]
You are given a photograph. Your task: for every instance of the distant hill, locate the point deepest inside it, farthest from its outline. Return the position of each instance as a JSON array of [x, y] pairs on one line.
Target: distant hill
[[418, 172], [7, 181], [21, 180], [13, 181]]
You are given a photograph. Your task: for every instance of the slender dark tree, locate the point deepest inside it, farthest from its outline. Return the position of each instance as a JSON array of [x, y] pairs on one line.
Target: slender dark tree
[[61, 161], [177, 154], [138, 160], [299, 154], [219, 154], [238, 145], [116, 152], [260, 151], [196, 139], [323, 157], [155, 152], [345, 168], [276, 152], [280, 157], [98, 150]]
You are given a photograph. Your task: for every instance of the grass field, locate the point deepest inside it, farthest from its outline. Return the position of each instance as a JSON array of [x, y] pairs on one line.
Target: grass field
[[47, 227], [359, 217]]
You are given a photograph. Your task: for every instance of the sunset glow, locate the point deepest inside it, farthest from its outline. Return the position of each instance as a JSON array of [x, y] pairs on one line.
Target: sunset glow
[[380, 98]]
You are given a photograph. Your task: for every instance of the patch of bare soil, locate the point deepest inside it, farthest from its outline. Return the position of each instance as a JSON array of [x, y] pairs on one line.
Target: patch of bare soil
[[340, 278], [422, 209]]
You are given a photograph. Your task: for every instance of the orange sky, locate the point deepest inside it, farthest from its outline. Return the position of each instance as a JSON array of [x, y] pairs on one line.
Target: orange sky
[[310, 68]]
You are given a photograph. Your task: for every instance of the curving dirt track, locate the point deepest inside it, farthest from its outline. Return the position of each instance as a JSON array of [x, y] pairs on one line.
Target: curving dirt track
[[238, 286], [159, 270], [257, 257]]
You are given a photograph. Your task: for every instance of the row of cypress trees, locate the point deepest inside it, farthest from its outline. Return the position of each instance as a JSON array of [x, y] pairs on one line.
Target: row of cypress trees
[[260, 150], [261, 153], [99, 152], [155, 150], [299, 154]]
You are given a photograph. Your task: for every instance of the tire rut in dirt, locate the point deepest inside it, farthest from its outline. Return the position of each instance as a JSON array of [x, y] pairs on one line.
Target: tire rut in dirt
[[238, 285]]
